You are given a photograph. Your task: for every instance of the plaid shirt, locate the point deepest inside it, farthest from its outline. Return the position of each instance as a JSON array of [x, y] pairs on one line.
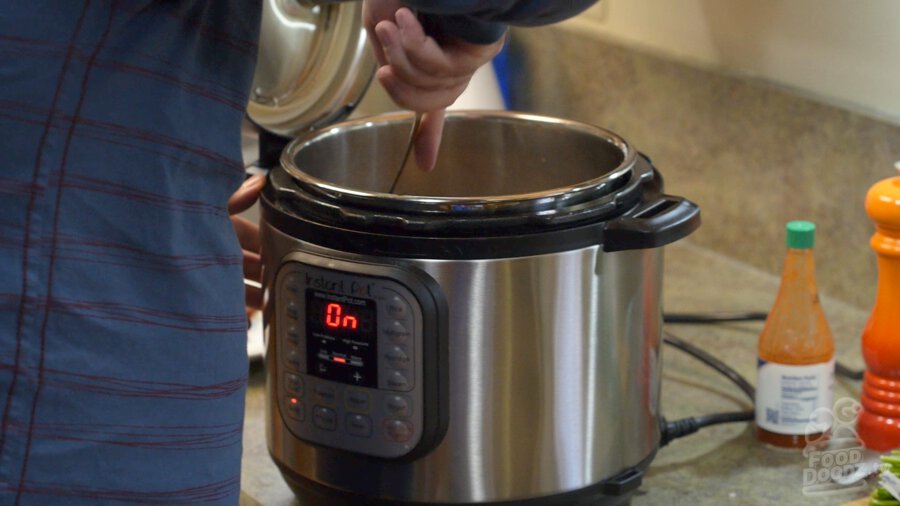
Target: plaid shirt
[[122, 328]]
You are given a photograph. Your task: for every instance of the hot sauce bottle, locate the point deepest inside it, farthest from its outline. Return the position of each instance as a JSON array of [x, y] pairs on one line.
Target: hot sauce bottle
[[795, 379]]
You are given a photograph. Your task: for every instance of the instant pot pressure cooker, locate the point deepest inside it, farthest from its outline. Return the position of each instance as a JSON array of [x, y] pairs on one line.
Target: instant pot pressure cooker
[[485, 333]]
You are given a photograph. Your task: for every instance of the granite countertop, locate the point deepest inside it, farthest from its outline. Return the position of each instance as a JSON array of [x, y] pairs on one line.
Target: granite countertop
[[723, 464]]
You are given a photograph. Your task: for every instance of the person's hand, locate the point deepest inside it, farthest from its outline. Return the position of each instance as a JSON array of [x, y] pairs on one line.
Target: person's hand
[[417, 72], [248, 235]]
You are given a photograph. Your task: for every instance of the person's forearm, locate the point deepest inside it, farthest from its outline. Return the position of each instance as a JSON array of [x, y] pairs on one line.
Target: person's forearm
[[514, 12], [484, 21]]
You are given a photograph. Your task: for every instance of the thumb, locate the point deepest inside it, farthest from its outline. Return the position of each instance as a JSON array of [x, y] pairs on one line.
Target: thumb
[[428, 139]]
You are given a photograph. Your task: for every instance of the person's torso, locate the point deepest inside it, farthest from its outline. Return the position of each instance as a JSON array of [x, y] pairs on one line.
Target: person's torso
[[122, 330]]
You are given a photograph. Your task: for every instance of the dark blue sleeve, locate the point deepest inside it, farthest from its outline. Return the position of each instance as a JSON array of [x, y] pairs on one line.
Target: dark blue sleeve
[[484, 21]]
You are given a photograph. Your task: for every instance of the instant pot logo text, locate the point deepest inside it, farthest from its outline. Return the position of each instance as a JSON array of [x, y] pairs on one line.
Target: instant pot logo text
[[321, 282]]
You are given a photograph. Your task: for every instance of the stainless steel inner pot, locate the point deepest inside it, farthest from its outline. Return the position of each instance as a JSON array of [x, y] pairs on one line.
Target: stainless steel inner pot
[[491, 162]]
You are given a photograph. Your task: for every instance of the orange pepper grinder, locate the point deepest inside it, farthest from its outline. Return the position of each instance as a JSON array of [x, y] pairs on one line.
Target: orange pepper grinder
[[878, 424]]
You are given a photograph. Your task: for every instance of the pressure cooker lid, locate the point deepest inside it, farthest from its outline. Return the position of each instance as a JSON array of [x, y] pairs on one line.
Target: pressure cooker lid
[[313, 65], [492, 165]]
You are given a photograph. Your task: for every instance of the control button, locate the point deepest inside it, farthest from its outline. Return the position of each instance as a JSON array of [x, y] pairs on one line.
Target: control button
[[324, 418], [397, 405], [359, 425], [292, 283], [357, 400], [398, 430], [296, 358], [396, 306], [294, 384], [396, 357], [292, 309], [325, 394], [293, 334], [397, 380], [295, 408], [396, 332]]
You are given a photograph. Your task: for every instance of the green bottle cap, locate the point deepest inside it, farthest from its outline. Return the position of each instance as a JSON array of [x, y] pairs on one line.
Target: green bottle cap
[[801, 234]]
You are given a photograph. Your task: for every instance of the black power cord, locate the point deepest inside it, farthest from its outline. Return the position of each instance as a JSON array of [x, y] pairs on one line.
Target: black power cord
[[690, 425], [725, 317], [712, 361], [842, 370]]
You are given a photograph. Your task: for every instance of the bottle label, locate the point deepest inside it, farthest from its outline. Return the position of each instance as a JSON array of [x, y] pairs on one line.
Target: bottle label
[[794, 399]]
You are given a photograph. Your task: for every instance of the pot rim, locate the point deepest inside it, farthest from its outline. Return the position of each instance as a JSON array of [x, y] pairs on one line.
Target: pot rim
[[548, 201]]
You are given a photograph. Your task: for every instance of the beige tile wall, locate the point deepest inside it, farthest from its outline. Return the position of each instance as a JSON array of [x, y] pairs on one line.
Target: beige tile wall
[[753, 156]]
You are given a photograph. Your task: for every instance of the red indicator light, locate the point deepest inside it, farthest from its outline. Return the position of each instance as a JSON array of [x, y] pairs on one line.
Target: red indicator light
[[340, 360], [294, 400]]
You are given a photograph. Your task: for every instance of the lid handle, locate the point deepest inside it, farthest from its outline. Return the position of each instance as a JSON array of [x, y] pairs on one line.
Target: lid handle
[[660, 220]]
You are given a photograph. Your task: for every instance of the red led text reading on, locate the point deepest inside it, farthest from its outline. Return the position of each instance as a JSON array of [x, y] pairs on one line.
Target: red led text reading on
[[335, 317]]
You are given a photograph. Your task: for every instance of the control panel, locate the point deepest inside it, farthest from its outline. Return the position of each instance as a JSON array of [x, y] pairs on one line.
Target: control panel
[[358, 355]]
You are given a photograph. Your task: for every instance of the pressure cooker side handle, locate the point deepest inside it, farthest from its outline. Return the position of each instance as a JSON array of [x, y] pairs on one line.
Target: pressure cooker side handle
[[661, 220]]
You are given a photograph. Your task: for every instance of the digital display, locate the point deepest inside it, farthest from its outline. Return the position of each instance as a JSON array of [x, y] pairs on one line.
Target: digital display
[[340, 315], [342, 336]]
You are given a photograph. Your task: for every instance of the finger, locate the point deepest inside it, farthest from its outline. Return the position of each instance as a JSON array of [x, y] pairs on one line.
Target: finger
[[252, 266], [416, 98], [428, 139], [438, 71], [374, 11], [413, 41], [380, 58], [247, 233], [375, 44], [391, 43], [246, 195]]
